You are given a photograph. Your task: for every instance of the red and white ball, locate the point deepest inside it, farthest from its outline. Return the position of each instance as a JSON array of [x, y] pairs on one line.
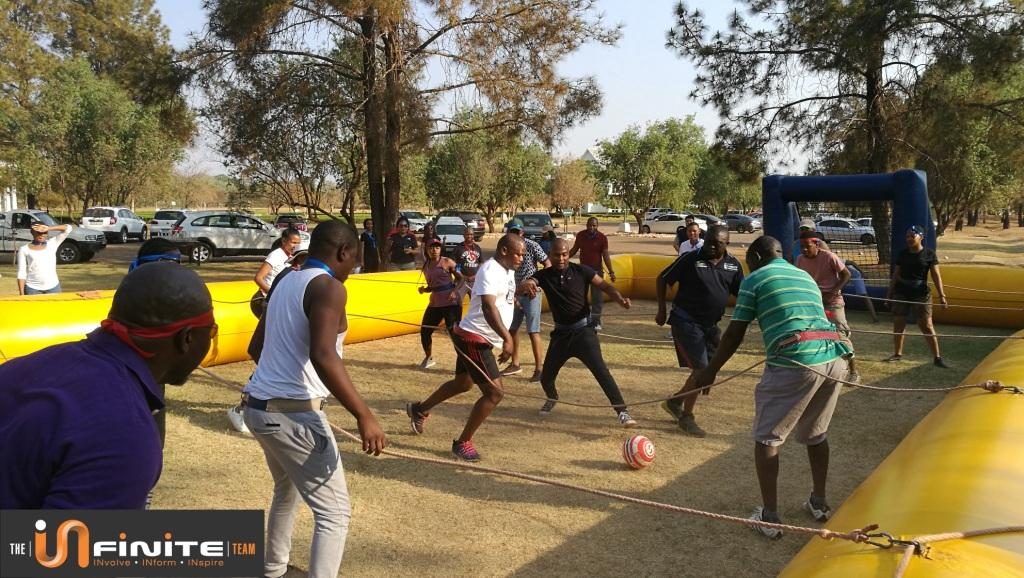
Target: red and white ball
[[638, 451]]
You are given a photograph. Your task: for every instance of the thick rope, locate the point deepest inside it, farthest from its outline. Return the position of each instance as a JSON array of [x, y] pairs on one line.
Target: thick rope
[[858, 536], [915, 543], [991, 386]]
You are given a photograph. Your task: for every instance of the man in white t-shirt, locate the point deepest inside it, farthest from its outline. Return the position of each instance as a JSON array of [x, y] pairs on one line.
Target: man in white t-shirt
[[37, 261], [484, 326], [692, 242], [277, 260]]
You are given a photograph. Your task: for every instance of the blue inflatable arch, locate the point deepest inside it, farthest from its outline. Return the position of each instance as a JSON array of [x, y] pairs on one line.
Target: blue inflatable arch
[[906, 189]]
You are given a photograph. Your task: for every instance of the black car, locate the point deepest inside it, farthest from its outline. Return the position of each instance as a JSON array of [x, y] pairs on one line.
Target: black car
[[471, 218]]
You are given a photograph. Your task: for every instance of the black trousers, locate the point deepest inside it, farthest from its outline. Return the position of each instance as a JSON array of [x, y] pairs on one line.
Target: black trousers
[[581, 343], [433, 316]]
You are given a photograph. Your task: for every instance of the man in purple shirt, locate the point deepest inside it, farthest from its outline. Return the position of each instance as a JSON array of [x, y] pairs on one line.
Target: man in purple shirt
[[76, 423]]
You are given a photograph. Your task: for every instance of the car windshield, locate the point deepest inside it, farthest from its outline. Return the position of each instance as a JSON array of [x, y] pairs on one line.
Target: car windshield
[[450, 229], [534, 220], [98, 213], [413, 215], [167, 215], [45, 219], [289, 219]]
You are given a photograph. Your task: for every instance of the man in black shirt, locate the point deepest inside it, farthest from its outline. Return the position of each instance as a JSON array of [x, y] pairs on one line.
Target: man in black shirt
[[706, 278], [565, 284], [909, 290]]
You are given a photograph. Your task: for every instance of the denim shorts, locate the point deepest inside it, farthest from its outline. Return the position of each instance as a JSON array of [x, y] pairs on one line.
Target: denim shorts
[[528, 309]]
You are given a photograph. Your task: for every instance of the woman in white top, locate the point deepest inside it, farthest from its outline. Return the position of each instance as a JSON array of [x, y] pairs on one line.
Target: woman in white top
[[37, 261]]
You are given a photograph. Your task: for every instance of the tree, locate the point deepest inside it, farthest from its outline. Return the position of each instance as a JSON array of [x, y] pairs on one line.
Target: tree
[[813, 69], [729, 177], [655, 168], [572, 185]]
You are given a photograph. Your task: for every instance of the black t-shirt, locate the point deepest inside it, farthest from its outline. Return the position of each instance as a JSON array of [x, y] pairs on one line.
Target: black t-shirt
[[371, 260], [399, 243], [467, 258], [566, 291], [704, 288], [914, 268]]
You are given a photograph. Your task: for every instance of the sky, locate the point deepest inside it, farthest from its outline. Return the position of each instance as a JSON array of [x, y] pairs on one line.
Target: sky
[[642, 81]]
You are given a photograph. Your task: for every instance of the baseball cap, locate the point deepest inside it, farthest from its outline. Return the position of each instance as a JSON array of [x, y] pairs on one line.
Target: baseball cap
[[434, 243], [917, 230], [515, 225], [807, 223]]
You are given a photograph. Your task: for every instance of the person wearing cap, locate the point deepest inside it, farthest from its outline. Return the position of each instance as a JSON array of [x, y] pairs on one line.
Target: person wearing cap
[[76, 419], [37, 261], [831, 275], [909, 292], [808, 225], [528, 306], [445, 303], [592, 245]]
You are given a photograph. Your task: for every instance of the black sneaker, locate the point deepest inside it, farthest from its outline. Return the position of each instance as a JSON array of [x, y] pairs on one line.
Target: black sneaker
[[536, 376], [548, 406], [688, 424], [939, 362], [674, 408], [512, 370]]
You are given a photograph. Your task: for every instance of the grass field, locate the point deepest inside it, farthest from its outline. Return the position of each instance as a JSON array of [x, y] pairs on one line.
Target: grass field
[[432, 520]]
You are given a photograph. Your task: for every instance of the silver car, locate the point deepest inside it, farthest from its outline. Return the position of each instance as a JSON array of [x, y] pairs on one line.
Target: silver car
[[220, 233], [163, 221], [845, 230]]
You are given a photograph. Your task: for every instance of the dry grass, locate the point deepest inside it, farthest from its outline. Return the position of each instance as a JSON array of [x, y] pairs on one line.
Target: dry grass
[[415, 519]]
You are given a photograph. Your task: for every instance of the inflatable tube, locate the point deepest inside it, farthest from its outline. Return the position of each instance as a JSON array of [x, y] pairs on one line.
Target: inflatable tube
[[961, 468]]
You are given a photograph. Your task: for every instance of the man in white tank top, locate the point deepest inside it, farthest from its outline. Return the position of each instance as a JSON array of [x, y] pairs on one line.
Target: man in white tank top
[[484, 326], [297, 349]]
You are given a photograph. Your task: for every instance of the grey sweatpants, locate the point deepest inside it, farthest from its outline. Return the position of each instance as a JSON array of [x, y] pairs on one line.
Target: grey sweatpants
[[304, 461]]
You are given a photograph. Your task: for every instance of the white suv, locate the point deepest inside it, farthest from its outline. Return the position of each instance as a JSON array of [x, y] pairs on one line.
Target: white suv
[[117, 223], [163, 221], [218, 233]]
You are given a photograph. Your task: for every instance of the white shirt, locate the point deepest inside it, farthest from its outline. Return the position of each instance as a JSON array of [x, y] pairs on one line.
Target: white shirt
[[278, 260], [39, 268], [491, 279], [687, 247], [284, 370]]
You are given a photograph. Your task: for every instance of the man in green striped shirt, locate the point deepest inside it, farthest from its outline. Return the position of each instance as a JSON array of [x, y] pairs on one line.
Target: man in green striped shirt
[[798, 392]]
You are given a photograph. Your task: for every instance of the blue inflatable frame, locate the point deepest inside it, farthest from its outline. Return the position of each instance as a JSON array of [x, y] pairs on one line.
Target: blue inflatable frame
[[907, 189]]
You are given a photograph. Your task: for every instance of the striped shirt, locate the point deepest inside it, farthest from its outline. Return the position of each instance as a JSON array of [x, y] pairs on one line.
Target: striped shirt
[[785, 301], [532, 256]]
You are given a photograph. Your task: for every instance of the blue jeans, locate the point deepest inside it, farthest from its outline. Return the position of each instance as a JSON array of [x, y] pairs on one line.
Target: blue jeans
[[34, 291], [529, 311]]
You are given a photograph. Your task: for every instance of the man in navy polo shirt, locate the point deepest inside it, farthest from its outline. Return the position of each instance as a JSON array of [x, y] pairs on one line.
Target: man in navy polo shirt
[[706, 278], [76, 423]]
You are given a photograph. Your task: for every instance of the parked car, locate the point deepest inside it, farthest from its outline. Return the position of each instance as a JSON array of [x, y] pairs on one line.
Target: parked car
[[845, 230], [163, 221], [117, 223], [450, 230], [16, 230], [218, 233], [669, 223], [710, 220], [533, 224], [417, 220], [865, 222], [653, 212], [471, 218], [741, 223], [291, 221]]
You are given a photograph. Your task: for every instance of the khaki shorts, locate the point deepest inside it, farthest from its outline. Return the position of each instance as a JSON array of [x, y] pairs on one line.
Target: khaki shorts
[[798, 401], [837, 315]]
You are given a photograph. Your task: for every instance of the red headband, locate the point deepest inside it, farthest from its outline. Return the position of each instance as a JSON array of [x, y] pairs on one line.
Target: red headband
[[125, 333]]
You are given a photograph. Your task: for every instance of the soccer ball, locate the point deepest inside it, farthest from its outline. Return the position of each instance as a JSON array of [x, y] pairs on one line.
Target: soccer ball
[[638, 451]]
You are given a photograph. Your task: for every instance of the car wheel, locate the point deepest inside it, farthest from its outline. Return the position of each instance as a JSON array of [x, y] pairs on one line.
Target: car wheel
[[645, 229], [867, 239], [124, 235], [201, 252], [144, 236], [68, 253]]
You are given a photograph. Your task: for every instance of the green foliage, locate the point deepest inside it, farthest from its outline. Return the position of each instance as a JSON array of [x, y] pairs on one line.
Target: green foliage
[[573, 185], [653, 168]]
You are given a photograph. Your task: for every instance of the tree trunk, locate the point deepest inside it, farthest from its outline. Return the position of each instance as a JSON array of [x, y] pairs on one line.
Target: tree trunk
[[393, 118], [1020, 214], [374, 135], [972, 218], [959, 223], [1006, 218], [879, 147]]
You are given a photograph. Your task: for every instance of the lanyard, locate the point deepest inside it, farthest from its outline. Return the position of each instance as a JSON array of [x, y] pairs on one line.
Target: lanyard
[[318, 264]]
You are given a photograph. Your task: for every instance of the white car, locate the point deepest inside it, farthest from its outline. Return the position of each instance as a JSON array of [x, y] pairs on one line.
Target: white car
[[163, 221], [669, 223], [417, 220], [219, 233], [451, 230], [16, 230], [117, 223], [654, 212]]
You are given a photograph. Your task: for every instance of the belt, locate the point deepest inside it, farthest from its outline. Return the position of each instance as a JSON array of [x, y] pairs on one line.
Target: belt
[[572, 326], [809, 336], [285, 405]]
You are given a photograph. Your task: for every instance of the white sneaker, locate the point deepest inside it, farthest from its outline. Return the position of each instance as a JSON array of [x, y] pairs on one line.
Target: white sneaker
[[427, 363], [235, 417], [773, 533], [625, 420]]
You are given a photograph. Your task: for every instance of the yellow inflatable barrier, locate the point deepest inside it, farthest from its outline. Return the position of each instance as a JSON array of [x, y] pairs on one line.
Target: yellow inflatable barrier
[[961, 468]]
